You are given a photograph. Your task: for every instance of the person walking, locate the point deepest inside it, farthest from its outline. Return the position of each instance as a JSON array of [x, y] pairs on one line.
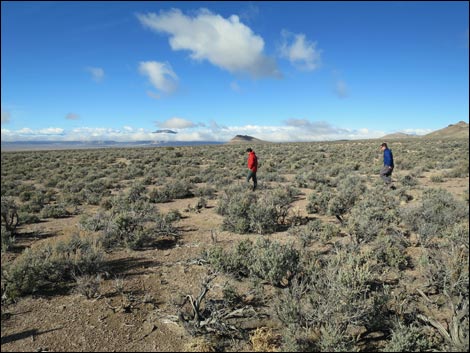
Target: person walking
[[252, 167], [387, 169]]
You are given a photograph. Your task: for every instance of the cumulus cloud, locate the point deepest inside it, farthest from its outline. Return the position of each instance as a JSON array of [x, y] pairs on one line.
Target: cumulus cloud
[[97, 73], [6, 116], [296, 130], [32, 134], [224, 42], [176, 123], [302, 53], [125, 134], [72, 116], [161, 76], [317, 127], [293, 130]]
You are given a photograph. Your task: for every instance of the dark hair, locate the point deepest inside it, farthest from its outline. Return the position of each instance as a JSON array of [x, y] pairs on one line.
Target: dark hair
[[249, 150], [384, 145]]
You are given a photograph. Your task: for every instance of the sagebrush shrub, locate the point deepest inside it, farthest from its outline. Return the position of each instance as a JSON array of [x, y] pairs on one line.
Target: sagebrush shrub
[[54, 211], [432, 217], [315, 230], [389, 250], [319, 199], [49, 265], [330, 295], [9, 213], [377, 213], [272, 261], [8, 239], [348, 192], [267, 260], [248, 212], [406, 338], [447, 271]]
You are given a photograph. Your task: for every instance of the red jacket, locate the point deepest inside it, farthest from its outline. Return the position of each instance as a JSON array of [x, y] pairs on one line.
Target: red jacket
[[252, 162]]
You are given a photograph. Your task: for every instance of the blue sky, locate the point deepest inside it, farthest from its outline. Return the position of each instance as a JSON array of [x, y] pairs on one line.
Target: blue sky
[[279, 71]]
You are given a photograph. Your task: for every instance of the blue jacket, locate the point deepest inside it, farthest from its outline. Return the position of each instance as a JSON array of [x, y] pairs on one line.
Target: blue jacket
[[388, 158]]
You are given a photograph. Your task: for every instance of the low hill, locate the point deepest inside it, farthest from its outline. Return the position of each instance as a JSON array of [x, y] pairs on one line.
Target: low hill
[[459, 130], [245, 139]]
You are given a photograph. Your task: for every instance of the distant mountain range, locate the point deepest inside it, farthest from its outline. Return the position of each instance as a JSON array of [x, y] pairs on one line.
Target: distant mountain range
[[459, 130], [69, 145]]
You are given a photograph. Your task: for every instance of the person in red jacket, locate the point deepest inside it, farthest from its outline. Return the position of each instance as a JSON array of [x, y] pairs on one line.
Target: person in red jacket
[[252, 167]]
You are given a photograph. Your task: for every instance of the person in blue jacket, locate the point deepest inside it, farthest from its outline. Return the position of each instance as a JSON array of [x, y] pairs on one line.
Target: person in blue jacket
[[386, 171]]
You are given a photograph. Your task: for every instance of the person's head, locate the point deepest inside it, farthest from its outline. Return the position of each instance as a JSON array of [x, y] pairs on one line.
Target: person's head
[[383, 146], [248, 150]]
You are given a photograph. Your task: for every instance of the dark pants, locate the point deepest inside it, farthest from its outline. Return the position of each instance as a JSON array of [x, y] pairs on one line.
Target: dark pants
[[252, 174], [386, 174]]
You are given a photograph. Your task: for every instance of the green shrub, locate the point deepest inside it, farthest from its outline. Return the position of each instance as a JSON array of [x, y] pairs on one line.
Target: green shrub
[[8, 239], [318, 200], [48, 266], [390, 250], [437, 178], [408, 339], [131, 224], [54, 211], [446, 270], [334, 292], [9, 213], [408, 180], [377, 213], [248, 212], [267, 260], [273, 261], [236, 262], [348, 192], [432, 217], [315, 230]]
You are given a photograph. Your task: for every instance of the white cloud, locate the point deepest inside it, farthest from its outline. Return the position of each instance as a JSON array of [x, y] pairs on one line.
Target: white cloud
[[72, 116], [161, 76], [97, 73], [298, 130], [6, 116], [176, 123], [224, 42], [418, 132], [51, 131], [28, 132], [321, 128], [302, 53], [293, 130]]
